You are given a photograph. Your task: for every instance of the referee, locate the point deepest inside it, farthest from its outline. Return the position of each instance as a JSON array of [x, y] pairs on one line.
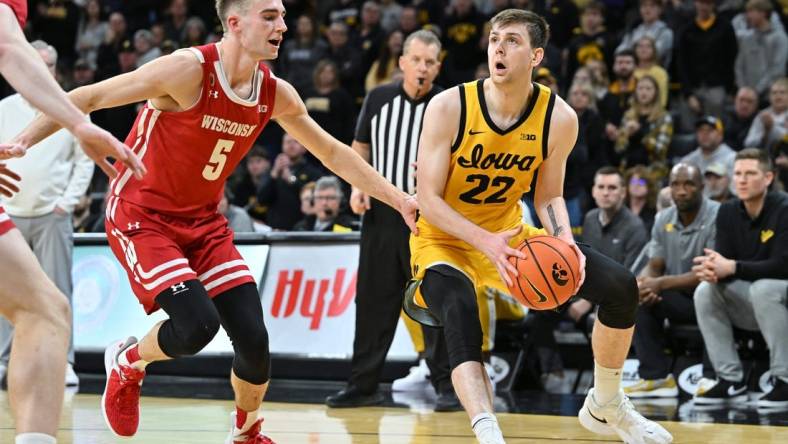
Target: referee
[[387, 136]]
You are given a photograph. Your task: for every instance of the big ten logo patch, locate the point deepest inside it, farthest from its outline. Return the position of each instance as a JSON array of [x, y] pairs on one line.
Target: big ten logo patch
[[314, 298]]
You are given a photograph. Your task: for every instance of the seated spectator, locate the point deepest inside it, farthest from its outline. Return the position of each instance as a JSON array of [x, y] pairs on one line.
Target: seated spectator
[[84, 73], [143, 44], [589, 152], [194, 33], [328, 198], [114, 39], [616, 101], [382, 69], [737, 121], [717, 183], [543, 76], [780, 156], [641, 195], [711, 148], [680, 233], [463, 28], [770, 126], [92, 31], [245, 186], [369, 34], [611, 228], [763, 49], [651, 26], [308, 199], [281, 187], [648, 64], [300, 54], [645, 131], [592, 41], [329, 104], [600, 80], [238, 220], [745, 283], [347, 57], [178, 15]]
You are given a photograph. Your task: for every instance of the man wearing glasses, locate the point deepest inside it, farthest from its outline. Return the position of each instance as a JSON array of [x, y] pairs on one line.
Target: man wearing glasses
[[327, 200]]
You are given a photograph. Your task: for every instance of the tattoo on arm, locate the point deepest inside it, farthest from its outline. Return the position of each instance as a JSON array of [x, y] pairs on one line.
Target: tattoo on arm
[[557, 229]]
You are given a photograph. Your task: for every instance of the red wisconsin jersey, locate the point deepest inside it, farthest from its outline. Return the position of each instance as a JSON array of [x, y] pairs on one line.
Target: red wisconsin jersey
[[20, 9], [189, 154]]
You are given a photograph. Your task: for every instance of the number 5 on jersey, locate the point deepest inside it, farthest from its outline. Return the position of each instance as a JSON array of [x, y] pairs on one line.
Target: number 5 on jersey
[[213, 170]]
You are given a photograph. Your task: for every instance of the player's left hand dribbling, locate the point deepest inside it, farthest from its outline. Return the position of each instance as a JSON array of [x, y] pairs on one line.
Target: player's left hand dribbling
[[7, 187], [582, 261]]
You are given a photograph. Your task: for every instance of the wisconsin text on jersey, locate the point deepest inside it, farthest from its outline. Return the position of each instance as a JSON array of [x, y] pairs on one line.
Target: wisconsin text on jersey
[[227, 126]]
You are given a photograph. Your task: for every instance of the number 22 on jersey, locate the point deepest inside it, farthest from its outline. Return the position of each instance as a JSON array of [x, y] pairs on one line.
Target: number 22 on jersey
[[213, 170]]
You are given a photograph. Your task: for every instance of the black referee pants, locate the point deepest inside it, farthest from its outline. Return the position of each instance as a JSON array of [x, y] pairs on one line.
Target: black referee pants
[[383, 272]]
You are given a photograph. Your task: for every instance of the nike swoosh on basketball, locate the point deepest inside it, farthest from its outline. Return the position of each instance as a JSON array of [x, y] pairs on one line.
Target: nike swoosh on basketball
[[542, 297], [473, 133]]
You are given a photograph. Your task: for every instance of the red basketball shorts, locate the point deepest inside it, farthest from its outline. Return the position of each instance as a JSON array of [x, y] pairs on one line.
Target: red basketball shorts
[[6, 224], [159, 251]]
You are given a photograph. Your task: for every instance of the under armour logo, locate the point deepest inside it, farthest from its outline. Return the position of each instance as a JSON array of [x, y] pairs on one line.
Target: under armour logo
[[178, 288], [262, 109], [214, 94], [134, 226]]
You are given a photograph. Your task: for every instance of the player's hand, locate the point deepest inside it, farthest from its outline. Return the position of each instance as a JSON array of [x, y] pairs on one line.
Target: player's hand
[[582, 265], [359, 201], [11, 150], [99, 145], [496, 247], [7, 179], [409, 209]]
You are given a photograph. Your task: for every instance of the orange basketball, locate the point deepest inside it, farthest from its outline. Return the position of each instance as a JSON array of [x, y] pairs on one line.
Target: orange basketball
[[549, 274]]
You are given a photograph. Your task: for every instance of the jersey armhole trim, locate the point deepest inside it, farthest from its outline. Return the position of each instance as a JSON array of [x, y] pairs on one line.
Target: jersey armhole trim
[[547, 119], [197, 53], [461, 127]]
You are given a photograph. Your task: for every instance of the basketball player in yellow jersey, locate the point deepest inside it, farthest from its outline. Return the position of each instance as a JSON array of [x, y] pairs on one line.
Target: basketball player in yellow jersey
[[481, 145]]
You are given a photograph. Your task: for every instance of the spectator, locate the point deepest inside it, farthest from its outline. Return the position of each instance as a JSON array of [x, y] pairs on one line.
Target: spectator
[[770, 126], [641, 195], [54, 176], [651, 26], [463, 29], [237, 219], [301, 54], [561, 15], [159, 34], [92, 31], [383, 68], [680, 233], [763, 49], [705, 57], [84, 73], [664, 199], [143, 44], [711, 147], [244, 190], [588, 154], [648, 64], [175, 24], [611, 228], [409, 20], [599, 78], [347, 58], [646, 130], [329, 104], [616, 101], [58, 23], [328, 197], [308, 199], [745, 282], [107, 57], [370, 34], [737, 122], [194, 33], [280, 189], [543, 76], [592, 42], [390, 12], [717, 182]]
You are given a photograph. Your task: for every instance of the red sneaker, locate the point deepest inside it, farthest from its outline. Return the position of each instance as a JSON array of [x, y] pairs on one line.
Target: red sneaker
[[252, 436], [120, 403]]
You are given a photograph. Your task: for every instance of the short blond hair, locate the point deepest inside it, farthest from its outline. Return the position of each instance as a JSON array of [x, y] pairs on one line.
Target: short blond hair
[[223, 8]]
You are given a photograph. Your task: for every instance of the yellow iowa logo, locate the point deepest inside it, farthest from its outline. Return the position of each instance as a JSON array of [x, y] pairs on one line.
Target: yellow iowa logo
[[668, 227], [766, 235]]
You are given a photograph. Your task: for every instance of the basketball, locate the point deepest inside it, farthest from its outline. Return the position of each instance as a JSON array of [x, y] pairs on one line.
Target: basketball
[[549, 274]]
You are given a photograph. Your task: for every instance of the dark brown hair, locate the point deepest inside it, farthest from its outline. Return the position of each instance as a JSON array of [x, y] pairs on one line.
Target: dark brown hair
[[538, 29]]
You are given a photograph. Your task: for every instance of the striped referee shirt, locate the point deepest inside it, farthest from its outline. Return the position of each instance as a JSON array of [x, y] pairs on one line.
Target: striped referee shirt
[[390, 122]]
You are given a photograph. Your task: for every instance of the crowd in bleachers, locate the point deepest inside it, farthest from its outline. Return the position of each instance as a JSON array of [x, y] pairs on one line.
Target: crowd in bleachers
[[654, 83]]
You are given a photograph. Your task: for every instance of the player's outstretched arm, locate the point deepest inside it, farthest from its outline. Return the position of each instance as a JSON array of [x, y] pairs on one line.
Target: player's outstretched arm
[[291, 114], [549, 194], [441, 122]]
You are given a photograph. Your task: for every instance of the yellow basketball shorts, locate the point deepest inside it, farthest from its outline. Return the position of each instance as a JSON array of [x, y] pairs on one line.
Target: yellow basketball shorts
[[426, 253]]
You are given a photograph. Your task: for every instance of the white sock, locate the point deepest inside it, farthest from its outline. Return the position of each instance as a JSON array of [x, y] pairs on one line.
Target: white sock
[[607, 383], [35, 438], [486, 428]]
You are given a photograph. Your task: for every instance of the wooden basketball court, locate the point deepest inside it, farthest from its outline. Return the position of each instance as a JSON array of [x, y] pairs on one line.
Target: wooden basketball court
[[197, 421]]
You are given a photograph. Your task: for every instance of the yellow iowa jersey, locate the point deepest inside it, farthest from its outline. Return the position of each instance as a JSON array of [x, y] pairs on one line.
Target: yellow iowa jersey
[[491, 168]]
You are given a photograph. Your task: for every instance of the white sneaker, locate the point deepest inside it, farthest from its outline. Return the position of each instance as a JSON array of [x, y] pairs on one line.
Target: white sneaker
[[72, 380], [251, 436], [619, 417], [417, 380]]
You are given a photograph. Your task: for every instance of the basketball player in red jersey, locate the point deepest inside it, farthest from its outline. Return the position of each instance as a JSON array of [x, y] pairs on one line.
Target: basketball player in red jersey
[[39, 312], [206, 106]]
